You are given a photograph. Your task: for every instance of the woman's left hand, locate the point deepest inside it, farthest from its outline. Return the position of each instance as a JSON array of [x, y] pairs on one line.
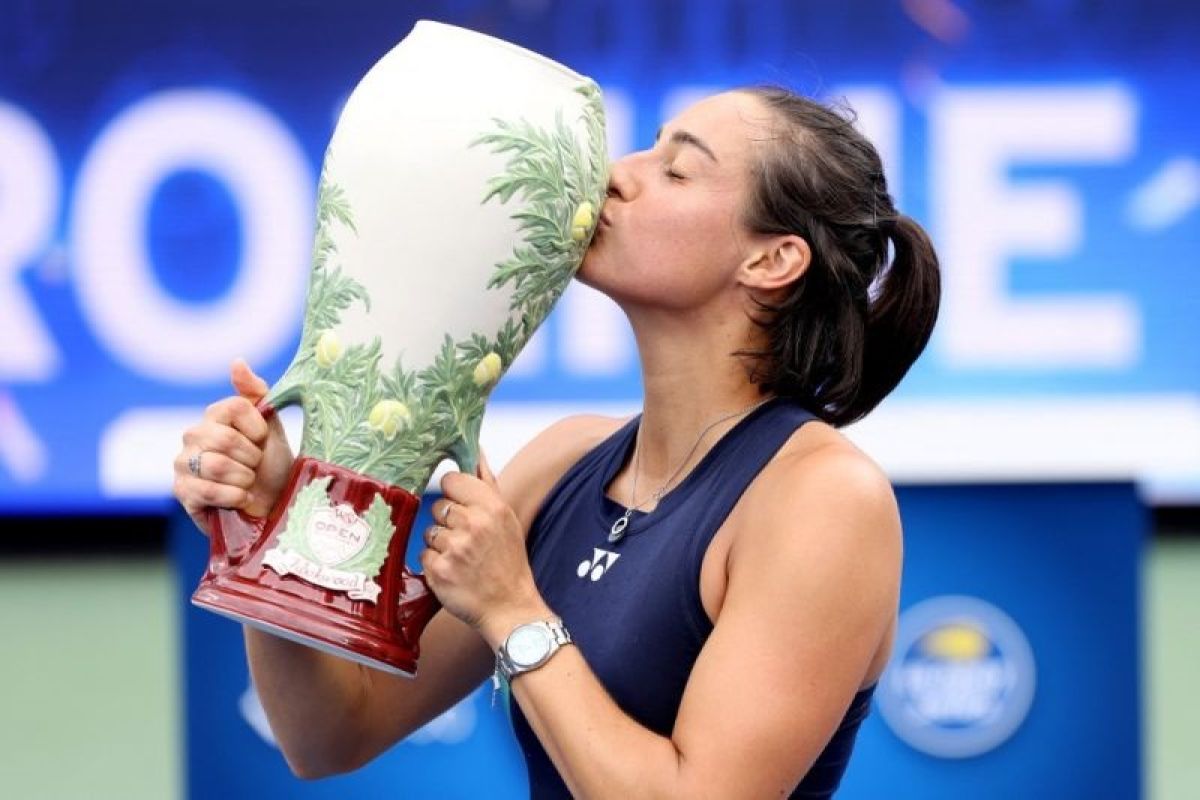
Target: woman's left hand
[[475, 560]]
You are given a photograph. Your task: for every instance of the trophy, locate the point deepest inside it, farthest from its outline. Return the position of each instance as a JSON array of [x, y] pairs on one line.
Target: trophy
[[458, 194]]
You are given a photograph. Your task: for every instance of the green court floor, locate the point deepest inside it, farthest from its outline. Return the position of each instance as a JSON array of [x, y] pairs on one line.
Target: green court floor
[[1172, 648], [89, 678], [89, 681]]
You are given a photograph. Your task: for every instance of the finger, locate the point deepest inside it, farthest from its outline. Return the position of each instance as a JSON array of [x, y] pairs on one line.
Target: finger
[[246, 382], [484, 471], [239, 413], [199, 493], [465, 489], [427, 558], [219, 438], [218, 468], [432, 534], [443, 512]]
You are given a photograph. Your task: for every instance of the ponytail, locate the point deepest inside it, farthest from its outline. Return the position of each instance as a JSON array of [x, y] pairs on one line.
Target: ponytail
[[849, 329], [901, 317]]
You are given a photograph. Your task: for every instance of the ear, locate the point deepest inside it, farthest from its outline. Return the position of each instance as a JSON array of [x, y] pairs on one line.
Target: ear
[[780, 262]]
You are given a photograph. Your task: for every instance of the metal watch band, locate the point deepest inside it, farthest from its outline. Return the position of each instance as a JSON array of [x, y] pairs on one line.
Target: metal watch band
[[559, 636]]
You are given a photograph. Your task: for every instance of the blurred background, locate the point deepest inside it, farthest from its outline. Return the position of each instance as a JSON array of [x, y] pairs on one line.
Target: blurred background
[[1046, 446]]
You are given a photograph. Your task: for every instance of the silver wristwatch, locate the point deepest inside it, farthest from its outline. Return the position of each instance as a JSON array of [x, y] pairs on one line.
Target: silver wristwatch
[[529, 646]]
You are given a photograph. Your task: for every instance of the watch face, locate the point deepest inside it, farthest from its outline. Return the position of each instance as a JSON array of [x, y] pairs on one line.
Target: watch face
[[528, 645]]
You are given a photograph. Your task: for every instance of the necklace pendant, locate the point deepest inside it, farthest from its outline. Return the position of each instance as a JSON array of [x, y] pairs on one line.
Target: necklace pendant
[[617, 533]]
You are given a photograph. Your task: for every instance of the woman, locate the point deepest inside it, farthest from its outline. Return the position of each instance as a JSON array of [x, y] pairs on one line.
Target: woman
[[727, 563]]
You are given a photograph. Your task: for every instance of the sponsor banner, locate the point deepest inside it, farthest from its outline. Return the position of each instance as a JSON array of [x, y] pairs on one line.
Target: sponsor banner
[[1014, 673], [157, 206], [1018, 635]]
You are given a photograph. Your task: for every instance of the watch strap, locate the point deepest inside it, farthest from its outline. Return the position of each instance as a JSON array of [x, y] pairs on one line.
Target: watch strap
[[506, 669]]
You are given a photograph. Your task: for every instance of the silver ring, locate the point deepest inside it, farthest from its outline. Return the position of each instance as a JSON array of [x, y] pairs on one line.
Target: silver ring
[[433, 534], [193, 463], [446, 513]]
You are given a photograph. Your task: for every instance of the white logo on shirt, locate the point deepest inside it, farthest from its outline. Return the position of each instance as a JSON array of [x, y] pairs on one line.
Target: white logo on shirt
[[598, 564]]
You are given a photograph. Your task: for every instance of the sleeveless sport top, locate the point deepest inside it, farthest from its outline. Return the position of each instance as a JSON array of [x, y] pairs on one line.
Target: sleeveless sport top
[[634, 607]]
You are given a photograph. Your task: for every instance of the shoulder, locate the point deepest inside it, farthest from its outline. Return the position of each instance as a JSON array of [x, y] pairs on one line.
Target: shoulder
[[829, 464], [822, 499], [813, 576], [532, 472]]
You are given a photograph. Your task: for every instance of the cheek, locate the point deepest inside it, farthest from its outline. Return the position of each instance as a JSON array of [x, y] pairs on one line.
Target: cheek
[[676, 244], [694, 233]]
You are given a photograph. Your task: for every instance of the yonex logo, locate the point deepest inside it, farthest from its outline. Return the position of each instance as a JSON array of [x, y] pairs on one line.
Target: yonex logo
[[598, 564]]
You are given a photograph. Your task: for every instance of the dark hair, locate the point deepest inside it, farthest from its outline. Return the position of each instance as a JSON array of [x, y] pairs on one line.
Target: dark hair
[[847, 331]]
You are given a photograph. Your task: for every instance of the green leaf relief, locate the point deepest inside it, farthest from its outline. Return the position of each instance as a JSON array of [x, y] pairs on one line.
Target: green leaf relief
[[370, 560], [306, 501], [396, 425]]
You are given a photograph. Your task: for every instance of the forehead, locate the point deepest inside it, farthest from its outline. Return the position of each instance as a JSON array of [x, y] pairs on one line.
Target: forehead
[[730, 124]]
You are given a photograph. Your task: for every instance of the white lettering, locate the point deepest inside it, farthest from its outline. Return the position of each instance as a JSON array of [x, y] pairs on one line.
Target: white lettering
[[594, 335], [982, 219], [618, 121], [267, 174], [29, 202]]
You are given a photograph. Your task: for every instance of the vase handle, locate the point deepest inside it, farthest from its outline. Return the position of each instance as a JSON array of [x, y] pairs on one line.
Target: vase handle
[[266, 409], [416, 606], [234, 532]]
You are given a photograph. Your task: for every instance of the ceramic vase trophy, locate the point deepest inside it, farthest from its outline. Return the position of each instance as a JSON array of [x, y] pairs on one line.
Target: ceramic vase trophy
[[458, 195]]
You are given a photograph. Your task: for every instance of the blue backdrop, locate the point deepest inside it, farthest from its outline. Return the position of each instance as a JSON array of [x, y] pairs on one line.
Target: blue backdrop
[[1051, 148], [1015, 671]]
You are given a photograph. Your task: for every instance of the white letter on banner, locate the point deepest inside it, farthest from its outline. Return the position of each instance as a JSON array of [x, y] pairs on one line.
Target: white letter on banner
[[594, 334], [982, 219], [29, 201], [254, 156]]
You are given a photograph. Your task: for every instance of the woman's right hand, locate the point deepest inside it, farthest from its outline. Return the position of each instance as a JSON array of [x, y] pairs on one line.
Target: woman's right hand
[[245, 458]]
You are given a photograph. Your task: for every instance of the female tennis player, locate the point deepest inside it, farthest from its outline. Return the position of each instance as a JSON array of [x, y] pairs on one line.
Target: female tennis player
[[698, 601]]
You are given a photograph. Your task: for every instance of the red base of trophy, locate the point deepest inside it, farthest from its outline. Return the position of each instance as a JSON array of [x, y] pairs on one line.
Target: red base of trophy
[[382, 633]]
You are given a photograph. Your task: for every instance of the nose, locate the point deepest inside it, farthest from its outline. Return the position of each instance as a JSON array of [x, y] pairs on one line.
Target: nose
[[621, 184]]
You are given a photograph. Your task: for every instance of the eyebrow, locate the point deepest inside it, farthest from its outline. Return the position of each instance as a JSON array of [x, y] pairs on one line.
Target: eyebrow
[[683, 137]]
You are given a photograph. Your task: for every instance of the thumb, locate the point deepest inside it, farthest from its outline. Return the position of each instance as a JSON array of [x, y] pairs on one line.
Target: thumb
[[484, 472], [246, 382]]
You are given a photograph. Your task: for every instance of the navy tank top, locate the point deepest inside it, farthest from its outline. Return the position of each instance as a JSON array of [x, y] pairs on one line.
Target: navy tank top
[[634, 607]]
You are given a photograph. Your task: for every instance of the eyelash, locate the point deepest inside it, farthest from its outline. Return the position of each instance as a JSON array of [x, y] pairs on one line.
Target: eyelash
[[672, 174]]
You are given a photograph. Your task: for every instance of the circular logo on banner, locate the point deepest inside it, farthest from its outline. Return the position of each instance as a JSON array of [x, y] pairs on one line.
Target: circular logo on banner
[[961, 679]]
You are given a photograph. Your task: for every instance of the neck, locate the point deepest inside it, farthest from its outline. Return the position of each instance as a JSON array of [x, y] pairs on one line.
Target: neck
[[690, 381]]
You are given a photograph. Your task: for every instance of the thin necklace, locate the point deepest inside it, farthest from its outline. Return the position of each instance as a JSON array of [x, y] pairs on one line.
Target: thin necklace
[[617, 532]]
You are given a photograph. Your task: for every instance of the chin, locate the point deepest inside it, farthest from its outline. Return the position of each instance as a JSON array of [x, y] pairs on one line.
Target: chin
[[588, 269], [599, 272], [613, 278]]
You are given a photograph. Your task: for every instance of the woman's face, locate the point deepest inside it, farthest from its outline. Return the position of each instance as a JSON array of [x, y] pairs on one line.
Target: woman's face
[[671, 233]]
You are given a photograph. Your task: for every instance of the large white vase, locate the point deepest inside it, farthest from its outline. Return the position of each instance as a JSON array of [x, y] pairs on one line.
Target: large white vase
[[458, 195]]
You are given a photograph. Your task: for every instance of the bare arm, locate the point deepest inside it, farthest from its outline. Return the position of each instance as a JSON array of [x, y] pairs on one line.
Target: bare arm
[[328, 714], [332, 715], [812, 588]]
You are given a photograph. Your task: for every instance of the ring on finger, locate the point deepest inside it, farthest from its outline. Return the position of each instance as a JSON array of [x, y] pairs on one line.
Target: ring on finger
[[193, 463], [433, 534], [446, 513]]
